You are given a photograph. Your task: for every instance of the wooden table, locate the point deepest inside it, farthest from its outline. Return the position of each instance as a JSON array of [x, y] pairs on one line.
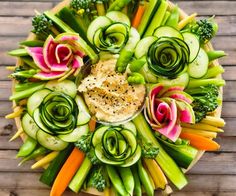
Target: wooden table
[[214, 174]]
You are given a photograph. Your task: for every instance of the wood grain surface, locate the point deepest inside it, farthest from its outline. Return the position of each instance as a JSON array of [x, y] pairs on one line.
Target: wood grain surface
[[214, 174]]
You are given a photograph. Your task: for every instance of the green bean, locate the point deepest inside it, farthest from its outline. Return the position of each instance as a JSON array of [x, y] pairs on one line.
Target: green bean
[[136, 65], [127, 178], [27, 147], [118, 5], [116, 180], [137, 184], [37, 152], [145, 179], [174, 18], [136, 78]]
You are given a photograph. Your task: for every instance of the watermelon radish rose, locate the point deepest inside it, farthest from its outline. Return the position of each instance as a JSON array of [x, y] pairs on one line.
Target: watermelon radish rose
[[166, 108], [58, 57]]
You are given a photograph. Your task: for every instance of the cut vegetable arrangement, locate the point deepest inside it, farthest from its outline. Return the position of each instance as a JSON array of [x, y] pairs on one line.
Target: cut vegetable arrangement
[[117, 97]]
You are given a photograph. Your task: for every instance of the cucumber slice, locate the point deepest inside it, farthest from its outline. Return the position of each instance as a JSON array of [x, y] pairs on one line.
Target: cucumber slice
[[29, 126], [134, 158], [143, 46], [76, 134], [117, 27], [167, 31], [130, 126], [117, 16], [51, 142], [36, 99], [131, 139], [97, 136], [99, 22], [181, 80], [134, 38], [83, 116], [147, 74], [193, 43], [198, 68], [66, 86], [39, 123]]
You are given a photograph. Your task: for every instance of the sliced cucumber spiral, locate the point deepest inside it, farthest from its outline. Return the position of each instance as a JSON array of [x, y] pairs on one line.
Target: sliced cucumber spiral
[[168, 56]]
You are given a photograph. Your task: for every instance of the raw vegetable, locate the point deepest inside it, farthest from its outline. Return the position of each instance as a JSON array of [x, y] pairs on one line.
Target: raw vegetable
[[157, 18], [128, 179], [148, 150], [17, 112], [27, 148], [136, 78], [213, 72], [45, 160], [138, 16], [51, 172], [22, 75], [17, 134], [137, 183], [205, 127], [205, 100], [204, 133], [214, 121], [18, 52], [166, 17], [215, 54], [167, 164], [23, 86], [32, 43], [67, 172], [118, 5], [200, 142], [186, 21], [116, 180], [145, 179], [174, 18], [205, 82]]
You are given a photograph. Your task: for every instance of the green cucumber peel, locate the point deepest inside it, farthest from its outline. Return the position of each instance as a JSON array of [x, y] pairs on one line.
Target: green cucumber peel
[[169, 167]]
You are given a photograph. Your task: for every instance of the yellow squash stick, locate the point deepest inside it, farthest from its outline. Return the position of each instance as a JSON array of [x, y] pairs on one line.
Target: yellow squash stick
[[214, 121], [158, 176], [186, 21], [203, 127], [204, 133], [17, 112], [17, 134], [45, 160]]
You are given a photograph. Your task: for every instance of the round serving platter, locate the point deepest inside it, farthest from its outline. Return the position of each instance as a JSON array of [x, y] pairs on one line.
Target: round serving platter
[[207, 47]]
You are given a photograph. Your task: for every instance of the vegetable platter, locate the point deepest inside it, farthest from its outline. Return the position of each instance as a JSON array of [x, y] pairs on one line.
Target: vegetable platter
[[117, 97]]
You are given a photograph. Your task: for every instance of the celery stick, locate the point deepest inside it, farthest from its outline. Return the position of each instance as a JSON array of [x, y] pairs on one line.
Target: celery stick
[[166, 17], [157, 19], [148, 14], [214, 71], [205, 82], [79, 178], [172, 171]]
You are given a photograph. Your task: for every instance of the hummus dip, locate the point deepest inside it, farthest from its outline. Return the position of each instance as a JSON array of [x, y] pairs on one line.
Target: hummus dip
[[108, 95]]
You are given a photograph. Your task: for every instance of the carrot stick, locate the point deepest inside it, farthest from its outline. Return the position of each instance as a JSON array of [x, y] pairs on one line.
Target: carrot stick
[[67, 172], [138, 16], [92, 125], [200, 142]]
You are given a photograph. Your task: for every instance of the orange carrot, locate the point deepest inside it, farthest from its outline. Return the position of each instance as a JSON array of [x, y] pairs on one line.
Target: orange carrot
[[138, 16], [92, 125], [200, 142], [67, 172]]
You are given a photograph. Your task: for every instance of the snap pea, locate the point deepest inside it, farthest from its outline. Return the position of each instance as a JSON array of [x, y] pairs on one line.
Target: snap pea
[[123, 60], [27, 147], [174, 18], [118, 5], [116, 180], [136, 78], [145, 179], [137, 184], [137, 64], [37, 152], [127, 178]]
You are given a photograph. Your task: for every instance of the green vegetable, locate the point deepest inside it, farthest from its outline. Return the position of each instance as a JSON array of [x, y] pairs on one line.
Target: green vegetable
[[97, 178], [24, 86], [20, 74], [213, 71], [148, 150], [167, 164], [116, 180], [50, 174], [137, 64], [26, 93], [195, 83], [128, 179], [166, 17], [27, 148], [80, 176], [42, 26], [157, 18], [174, 18], [32, 43], [205, 100], [136, 78], [36, 153], [143, 175], [137, 184], [205, 29], [84, 143], [118, 5], [215, 54], [18, 52], [29, 61], [182, 154]]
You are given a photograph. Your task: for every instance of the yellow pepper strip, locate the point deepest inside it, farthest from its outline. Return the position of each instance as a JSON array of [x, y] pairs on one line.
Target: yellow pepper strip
[[45, 160], [214, 121], [186, 20], [208, 134], [203, 127], [11, 68], [157, 174], [17, 112], [17, 134]]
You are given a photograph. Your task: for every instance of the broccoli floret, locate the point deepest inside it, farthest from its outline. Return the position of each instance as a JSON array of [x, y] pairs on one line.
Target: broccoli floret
[[97, 178], [148, 150], [22, 75], [205, 100], [84, 143], [92, 157], [205, 29], [81, 5], [42, 26]]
